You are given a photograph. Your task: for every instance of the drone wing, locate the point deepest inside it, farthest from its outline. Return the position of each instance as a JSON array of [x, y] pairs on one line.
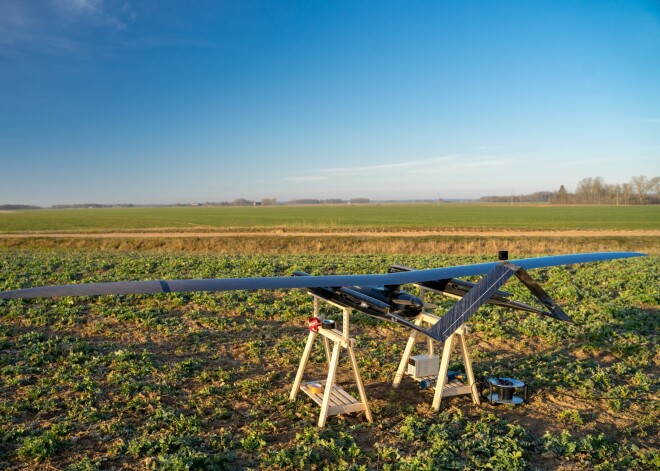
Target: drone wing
[[231, 284]]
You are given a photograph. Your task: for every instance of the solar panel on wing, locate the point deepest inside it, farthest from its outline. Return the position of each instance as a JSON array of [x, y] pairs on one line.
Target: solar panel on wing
[[472, 301]]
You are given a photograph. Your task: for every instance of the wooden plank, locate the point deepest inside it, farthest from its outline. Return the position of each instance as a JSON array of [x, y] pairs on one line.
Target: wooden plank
[[456, 388], [429, 318], [317, 398], [336, 398], [346, 408], [334, 335], [342, 396], [421, 378], [341, 402]]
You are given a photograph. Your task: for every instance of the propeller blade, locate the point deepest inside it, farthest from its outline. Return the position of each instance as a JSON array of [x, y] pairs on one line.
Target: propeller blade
[[408, 302], [402, 302]]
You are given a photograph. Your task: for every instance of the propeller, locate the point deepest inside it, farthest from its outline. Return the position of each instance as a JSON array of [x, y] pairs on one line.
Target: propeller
[[408, 302]]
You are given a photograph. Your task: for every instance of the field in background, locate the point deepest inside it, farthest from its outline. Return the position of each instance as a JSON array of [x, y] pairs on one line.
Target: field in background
[[468, 229], [345, 217]]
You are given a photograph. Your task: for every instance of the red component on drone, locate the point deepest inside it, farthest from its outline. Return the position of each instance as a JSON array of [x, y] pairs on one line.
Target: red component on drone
[[313, 324]]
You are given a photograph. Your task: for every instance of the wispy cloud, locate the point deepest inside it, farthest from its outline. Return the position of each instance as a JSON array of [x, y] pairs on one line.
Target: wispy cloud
[[80, 5], [595, 162], [368, 168], [487, 162], [381, 169], [452, 163], [347, 171], [116, 14], [163, 41], [307, 178], [466, 163], [58, 25], [444, 158]]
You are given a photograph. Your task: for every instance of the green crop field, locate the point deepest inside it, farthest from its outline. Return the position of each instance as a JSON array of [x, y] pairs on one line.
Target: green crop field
[[201, 381], [387, 217]]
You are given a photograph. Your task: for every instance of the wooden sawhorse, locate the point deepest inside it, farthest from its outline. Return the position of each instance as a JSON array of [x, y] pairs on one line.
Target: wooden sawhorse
[[333, 400], [443, 388]]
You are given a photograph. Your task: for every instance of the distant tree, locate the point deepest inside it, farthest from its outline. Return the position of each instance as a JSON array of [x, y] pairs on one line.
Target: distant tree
[[360, 200], [609, 194], [626, 192], [563, 195], [642, 186], [269, 201], [598, 189], [242, 202], [617, 191], [655, 185], [584, 190]]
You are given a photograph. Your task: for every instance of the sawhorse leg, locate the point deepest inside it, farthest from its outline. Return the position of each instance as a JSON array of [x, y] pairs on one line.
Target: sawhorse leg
[[329, 383], [303, 365], [442, 373], [467, 361], [406, 355], [459, 336], [358, 381]]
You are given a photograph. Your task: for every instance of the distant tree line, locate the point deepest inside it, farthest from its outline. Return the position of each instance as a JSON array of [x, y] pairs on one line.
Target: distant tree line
[[590, 190], [273, 201], [91, 205], [536, 197], [17, 207]]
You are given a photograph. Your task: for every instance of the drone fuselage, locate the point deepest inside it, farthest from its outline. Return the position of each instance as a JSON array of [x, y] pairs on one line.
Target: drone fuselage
[[400, 302], [379, 302]]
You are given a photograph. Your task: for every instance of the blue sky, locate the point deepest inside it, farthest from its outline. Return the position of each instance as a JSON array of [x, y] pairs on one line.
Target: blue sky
[[162, 101]]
